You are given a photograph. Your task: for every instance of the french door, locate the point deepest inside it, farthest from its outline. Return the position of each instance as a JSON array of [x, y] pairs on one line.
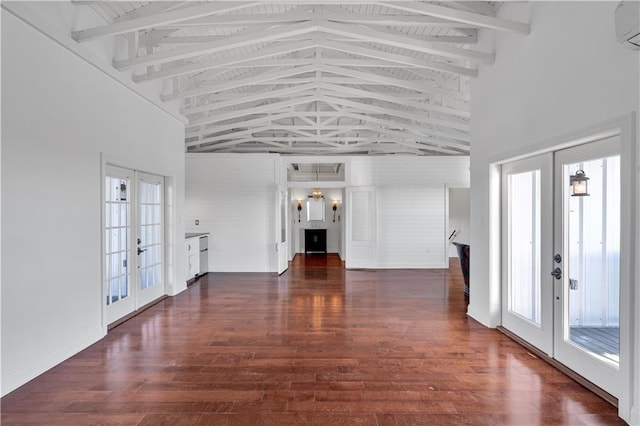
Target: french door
[[527, 245], [587, 299], [561, 258], [133, 262]]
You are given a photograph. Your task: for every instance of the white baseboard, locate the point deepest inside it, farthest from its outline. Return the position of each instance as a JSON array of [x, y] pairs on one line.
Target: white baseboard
[[477, 316], [12, 380]]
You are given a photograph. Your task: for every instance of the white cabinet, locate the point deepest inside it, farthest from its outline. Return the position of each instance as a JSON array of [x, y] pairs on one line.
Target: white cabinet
[[193, 256]]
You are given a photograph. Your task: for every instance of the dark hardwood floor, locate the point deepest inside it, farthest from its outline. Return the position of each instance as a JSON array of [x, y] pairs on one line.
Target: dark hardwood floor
[[317, 345]]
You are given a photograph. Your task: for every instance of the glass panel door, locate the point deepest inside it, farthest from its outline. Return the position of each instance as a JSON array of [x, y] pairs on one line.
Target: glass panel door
[[526, 212], [133, 241], [149, 248], [588, 294], [524, 240], [117, 243], [594, 259]]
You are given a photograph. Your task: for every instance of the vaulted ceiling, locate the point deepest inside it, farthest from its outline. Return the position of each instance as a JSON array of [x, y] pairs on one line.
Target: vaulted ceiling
[[309, 77]]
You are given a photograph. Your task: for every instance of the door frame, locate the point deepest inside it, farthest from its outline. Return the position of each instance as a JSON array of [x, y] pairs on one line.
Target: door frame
[[282, 205], [166, 255], [281, 180], [361, 253], [141, 298], [129, 304], [625, 127]]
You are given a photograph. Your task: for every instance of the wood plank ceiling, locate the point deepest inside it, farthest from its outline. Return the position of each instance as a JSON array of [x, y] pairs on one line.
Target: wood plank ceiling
[[310, 77]]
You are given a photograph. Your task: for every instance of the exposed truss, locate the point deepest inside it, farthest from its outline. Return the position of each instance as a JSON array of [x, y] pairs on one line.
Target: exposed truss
[[310, 76]]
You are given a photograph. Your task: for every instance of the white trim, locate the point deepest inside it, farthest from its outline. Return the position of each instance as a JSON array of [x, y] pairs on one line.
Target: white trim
[[174, 283], [103, 287], [630, 270]]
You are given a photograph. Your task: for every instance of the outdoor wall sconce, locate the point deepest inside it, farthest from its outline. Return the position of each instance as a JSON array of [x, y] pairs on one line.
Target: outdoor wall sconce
[[578, 184], [299, 209], [123, 191], [334, 207], [316, 194]]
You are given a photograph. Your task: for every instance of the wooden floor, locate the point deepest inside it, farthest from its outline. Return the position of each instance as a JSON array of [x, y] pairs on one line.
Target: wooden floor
[[317, 345]]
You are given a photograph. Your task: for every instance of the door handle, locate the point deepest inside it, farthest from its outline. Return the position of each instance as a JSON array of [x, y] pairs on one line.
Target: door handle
[[141, 251], [557, 273]]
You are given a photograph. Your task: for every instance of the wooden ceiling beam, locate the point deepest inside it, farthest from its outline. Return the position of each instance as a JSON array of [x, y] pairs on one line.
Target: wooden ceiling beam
[[220, 85], [415, 128], [427, 139], [179, 40], [295, 15], [225, 127], [371, 77], [232, 42], [347, 92], [395, 58], [227, 62], [240, 99], [154, 20], [482, 7], [339, 14], [255, 110], [403, 42], [462, 16], [360, 106]]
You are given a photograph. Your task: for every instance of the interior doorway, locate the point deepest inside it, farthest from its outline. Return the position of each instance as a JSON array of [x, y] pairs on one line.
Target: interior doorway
[[316, 205], [308, 214], [458, 218]]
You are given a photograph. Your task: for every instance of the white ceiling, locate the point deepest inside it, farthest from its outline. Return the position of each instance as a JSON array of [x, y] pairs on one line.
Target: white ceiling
[[309, 77]]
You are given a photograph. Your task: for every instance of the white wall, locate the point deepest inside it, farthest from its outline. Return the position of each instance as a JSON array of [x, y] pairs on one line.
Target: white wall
[[59, 114], [58, 18], [233, 197], [458, 217], [411, 200], [567, 75]]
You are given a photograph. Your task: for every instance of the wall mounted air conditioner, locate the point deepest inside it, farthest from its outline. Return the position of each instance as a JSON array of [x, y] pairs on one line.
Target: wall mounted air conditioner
[[627, 17]]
